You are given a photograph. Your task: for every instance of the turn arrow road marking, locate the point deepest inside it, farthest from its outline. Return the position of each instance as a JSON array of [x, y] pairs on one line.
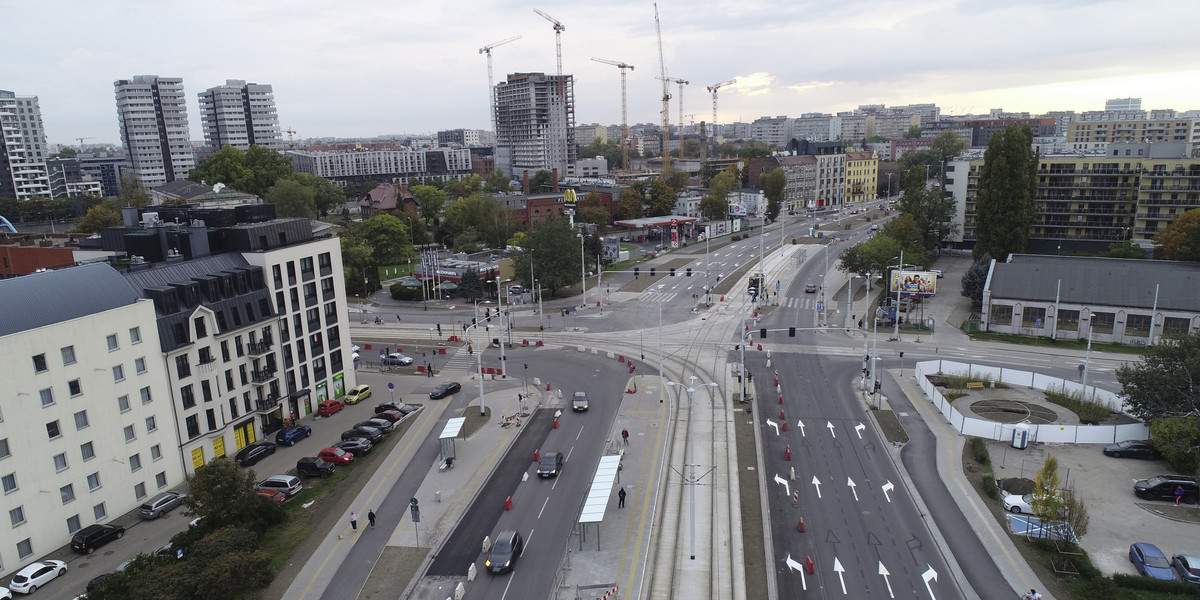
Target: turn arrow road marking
[[927, 576], [853, 488], [859, 429], [887, 488], [771, 423], [797, 567], [829, 424], [784, 483]]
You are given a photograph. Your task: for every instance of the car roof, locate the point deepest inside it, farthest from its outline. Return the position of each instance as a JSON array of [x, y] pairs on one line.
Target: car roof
[[1149, 549]]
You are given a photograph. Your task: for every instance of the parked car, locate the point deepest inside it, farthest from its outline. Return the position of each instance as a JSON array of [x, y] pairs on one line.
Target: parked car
[[516, 290], [1162, 487], [312, 466], [253, 453], [36, 575], [161, 504], [336, 456], [1132, 449], [290, 435], [445, 389], [288, 484], [551, 464], [369, 433], [89, 538], [579, 401], [330, 407], [388, 406], [358, 393], [1018, 504], [505, 551], [397, 358], [277, 496], [810, 288], [356, 446], [936, 272], [383, 425], [1188, 566], [1150, 561], [391, 416]]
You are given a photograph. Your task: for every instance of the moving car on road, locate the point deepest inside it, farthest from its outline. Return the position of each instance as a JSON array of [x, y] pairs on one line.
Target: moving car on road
[[551, 464], [810, 288], [505, 552], [579, 401], [1150, 561], [444, 390], [397, 358]]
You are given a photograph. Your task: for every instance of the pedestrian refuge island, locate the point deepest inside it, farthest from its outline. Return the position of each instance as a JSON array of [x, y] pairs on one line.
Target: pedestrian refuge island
[[598, 497], [450, 433]]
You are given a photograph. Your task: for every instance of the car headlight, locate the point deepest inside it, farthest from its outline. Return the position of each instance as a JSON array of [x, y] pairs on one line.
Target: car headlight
[[508, 562], [487, 563]]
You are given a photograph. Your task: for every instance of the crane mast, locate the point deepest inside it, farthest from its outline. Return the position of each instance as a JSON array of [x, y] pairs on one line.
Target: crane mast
[[713, 88], [666, 95], [491, 83], [558, 29], [624, 114]]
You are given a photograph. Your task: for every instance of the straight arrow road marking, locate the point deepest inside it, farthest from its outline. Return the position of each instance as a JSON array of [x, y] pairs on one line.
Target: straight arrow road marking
[[883, 571], [853, 488], [829, 424], [797, 567], [837, 566], [927, 576], [887, 488], [784, 483], [816, 482], [800, 424], [859, 429], [771, 423]]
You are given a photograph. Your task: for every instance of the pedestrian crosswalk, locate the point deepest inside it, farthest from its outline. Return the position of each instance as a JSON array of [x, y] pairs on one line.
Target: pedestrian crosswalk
[[804, 302], [460, 360], [657, 296]]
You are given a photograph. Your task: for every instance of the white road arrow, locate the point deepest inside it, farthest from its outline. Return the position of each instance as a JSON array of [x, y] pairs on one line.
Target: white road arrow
[[859, 429], [888, 487], [771, 423], [829, 424], [800, 424], [787, 490], [853, 488], [927, 576], [797, 567], [816, 482], [837, 566], [883, 571]]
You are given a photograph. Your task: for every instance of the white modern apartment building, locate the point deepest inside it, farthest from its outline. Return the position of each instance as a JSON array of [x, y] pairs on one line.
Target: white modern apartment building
[[152, 113], [775, 131], [411, 167], [535, 123], [23, 173], [241, 115], [85, 421]]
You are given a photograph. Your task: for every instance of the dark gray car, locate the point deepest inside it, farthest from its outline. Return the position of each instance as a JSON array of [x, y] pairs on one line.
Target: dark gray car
[[161, 505]]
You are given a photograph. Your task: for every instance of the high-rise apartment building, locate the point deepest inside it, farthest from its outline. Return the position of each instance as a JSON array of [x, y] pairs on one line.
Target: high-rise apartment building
[[535, 123], [22, 148], [152, 113], [241, 115]]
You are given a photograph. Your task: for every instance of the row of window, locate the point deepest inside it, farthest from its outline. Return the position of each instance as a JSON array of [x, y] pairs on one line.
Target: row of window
[[40, 364], [1101, 322]]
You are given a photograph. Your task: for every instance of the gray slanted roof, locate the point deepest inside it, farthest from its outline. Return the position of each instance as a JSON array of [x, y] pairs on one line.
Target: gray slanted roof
[[164, 274], [50, 297], [1118, 282]]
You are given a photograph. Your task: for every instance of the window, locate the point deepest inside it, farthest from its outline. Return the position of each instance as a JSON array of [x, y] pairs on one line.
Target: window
[[130, 434], [135, 335], [67, 493], [225, 350], [17, 516], [155, 452], [1068, 320], [99, 512], [25, 548], [81, 420], [93, 481], [1001, 314], [211, 415], [146, 399], [68, 355], [135, 463], [1102, 322], [4, 452], [187, 396], [182, 367], [206, 391], [1033, 317], [1175, 326], [60, 462], [47, 396], [112, 342], [1138, 325], [193, 426], [139, 364], [87, 451], [201, 328], [53, 430], [151, 424], [73, 524], [123, 403], [139, 491], [161, 479], [75, 387], [9, 483], [39, 363], [119, 373]]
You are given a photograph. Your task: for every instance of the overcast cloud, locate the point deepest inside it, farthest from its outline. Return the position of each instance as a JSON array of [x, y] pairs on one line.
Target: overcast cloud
[[362, 68]]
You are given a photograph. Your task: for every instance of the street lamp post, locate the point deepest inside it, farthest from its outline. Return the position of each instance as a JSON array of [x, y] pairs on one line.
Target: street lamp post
[[641, 344], [582, 269], [500, 308], [889, 186]]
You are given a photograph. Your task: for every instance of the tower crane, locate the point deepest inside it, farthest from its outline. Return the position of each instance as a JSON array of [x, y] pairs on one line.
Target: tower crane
[[558, 29], [491, 84], [681, 82], [713, 88], [291, 140], [624, 114], [81, 141], [666, 95]]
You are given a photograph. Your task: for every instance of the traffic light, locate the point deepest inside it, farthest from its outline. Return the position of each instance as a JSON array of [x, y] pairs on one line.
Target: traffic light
[[762, 333], [652, 271], [635, 272], [689, 271], [791, 332], [672, 271]]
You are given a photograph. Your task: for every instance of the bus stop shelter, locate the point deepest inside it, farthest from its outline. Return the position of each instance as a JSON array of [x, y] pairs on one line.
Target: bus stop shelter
[[598, 497]]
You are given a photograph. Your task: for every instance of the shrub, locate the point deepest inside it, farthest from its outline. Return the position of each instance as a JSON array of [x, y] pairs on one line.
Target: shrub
[[979, 449], [1086, 410], [989, 484]]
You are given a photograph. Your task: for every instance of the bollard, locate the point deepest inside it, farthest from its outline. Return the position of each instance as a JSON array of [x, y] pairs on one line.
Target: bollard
[[547, 386], [785, 425], [508, 503], [776, 377], [796, 498], [537, 454], [788, 452], [809, 566], [620, 358], [760, 347], [800, 527]]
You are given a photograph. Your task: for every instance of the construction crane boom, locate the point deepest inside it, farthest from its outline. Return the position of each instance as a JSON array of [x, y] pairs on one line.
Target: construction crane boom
[[713, 88], [291, 139], [666, 95], [81, 141], [558, 29], [487, 49], [624, 114]]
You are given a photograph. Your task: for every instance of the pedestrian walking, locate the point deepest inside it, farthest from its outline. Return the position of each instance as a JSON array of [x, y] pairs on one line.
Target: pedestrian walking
[[621, 498], [625, 436], [371, 518], [354, 521], [397, 318], [429, 369], [1178, 494]]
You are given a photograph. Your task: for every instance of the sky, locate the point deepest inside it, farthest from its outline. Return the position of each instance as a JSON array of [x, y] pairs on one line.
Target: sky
[[357, 68]]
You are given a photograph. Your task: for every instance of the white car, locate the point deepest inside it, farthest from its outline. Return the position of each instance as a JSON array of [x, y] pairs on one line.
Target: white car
[[5, 594], [1018, 504], [37, 574], [936, 272]]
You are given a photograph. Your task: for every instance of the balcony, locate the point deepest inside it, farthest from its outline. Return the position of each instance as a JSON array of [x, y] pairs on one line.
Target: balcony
[[267, 404], [261, 347], [262, 375], [1167, 202]]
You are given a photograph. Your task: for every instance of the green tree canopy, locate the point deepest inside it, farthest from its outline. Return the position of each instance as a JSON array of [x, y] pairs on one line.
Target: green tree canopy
[[872, 256], [591, 210], [97, 218], [388, 238], [431, 199], [498, 182], [467, 186], [542, 181], [932, 212], [224, 495], [677, 180], [914, 131], [328, 197], [1047, 501], [1007, 188], [975, 279], [772, 184], [632, 205], [130, 192], [292, 199], [1181, 239], [1126, 249], [609, 150], [470, 286], [1177, 439], [715, 204], [662, 198], [948, 145], [254, 171], [554, 251], [1166, 383]]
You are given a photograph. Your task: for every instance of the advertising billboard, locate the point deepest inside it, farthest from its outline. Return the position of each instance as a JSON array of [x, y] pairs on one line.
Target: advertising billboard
[[914, 283]]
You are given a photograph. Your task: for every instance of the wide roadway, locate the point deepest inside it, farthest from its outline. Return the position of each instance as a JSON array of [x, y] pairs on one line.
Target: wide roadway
[[544, 510]]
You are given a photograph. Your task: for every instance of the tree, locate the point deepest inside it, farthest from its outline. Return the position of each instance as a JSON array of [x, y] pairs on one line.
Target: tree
[[97, 218], [541, 182], [1181, 239], [662, 198], [874, 255], [553, 250], [416, 226], [1177, 439], [431, 200], [326, 195], [947, 145], [932, 211], [130, 193], [631, 205], [498, 182], [610, 151], [715, 204], [66, 152], [975, 279], [1076, 511], [266, 167], [675, 179], [591, 209], [1126, 249], [1007, 188], [470, 286], [464, 187], [1047, 501], [254, 171], [224, 495], [772, 184], [389, 240], [914, 131], [1166, 383], [292, 199]]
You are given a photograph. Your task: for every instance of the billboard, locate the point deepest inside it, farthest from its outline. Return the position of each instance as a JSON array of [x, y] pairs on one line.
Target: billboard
[[570, 199], [914, 283]]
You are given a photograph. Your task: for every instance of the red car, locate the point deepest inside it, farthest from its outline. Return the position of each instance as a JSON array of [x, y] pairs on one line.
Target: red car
[[336, 456], [273, 495], [390, 415], [329, 407]]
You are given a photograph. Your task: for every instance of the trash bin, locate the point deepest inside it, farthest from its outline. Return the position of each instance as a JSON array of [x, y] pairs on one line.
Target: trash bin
[[1020, 438]]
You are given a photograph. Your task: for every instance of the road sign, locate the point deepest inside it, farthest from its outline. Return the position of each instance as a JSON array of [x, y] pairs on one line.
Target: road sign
[[820, 306], [416, 514]]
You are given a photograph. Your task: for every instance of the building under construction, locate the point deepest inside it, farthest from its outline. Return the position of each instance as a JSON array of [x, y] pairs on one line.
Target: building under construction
[[535, 123]]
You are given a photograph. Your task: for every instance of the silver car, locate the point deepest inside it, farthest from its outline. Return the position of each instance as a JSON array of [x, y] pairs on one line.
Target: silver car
[[161, 505]]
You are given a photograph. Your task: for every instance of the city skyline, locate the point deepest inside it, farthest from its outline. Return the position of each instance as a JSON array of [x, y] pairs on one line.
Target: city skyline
[[360, 70]]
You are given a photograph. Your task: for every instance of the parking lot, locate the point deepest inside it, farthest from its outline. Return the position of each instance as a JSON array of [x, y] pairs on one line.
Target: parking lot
[[1117, 517]]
